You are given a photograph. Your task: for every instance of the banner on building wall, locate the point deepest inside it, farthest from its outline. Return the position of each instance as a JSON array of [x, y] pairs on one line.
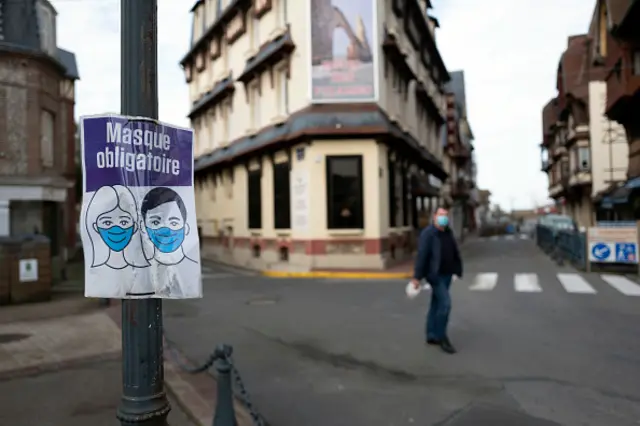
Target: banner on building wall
[[343, 65], [138, 220], [300, 200]]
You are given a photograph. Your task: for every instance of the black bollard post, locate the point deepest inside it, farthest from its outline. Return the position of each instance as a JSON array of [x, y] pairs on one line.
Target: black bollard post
[[225, 412], [144, 402]]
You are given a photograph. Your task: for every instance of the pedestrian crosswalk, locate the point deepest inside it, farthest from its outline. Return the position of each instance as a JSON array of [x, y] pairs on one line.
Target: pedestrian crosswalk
[[508, 237], [570, 282]]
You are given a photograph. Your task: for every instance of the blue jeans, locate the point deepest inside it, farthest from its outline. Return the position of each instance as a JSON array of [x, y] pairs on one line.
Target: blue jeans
[[438, 316]]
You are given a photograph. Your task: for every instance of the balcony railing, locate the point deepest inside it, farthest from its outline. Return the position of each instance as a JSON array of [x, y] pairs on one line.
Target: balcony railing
[[461, 188], [622, 84]]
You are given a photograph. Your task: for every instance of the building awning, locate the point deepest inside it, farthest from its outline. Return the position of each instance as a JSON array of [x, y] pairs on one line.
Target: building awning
[[633, 183], [617, 196]]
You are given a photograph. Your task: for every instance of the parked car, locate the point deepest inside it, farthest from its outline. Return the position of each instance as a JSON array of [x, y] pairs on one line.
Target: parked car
[[558, 222]]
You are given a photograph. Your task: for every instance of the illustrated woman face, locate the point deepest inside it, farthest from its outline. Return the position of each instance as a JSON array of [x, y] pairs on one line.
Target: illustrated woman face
[[165, 226], [116, 228]]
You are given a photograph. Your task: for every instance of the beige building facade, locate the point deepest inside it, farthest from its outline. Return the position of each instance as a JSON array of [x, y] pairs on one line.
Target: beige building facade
[[318, 130]]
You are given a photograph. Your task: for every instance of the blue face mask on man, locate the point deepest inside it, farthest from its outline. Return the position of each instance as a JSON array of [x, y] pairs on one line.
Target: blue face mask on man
[[116, 237], [165, 239], [442, 221]]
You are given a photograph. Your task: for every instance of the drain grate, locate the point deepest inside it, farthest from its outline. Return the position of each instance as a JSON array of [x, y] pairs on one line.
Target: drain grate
[[13, 337]]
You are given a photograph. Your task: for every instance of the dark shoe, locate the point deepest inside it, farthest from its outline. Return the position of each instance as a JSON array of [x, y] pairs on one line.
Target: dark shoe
[[433, 342], [447, 347]]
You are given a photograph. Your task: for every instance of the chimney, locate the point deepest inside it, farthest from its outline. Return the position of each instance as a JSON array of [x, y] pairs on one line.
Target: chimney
[[433, 24]]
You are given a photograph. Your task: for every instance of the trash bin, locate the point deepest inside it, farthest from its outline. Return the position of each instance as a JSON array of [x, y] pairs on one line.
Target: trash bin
[[25, 269]]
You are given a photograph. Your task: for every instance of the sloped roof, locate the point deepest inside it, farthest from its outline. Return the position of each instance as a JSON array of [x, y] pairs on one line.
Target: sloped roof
[[20, 30], [550, 114]]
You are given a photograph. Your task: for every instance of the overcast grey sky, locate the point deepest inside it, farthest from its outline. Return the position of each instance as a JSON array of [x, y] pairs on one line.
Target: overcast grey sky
[[509, 51]]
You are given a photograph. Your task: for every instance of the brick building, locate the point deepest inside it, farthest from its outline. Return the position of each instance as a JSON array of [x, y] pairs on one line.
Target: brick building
[[584, 152], [37, 129]]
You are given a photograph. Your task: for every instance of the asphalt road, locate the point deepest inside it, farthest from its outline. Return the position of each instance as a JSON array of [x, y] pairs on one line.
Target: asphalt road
[[535, 347]]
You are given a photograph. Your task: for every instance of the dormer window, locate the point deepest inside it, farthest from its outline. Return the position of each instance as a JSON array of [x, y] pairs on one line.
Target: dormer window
[[603, 28], [47, 27]]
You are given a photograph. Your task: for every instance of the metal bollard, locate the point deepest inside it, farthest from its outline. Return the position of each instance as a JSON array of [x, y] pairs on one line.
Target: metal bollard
[[225, 414]]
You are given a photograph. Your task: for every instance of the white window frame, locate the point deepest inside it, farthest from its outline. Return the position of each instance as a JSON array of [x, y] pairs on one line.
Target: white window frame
[[281, 19], [212, 132], [255, 33], [283, 92], [584, 155], [254, 101]]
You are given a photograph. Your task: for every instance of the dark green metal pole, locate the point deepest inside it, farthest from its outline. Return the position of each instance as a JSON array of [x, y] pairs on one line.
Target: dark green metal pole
[[144, 402]]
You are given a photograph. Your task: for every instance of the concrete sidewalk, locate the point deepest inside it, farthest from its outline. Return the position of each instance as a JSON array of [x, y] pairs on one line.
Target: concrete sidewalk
[[84, 394], [75, 345]]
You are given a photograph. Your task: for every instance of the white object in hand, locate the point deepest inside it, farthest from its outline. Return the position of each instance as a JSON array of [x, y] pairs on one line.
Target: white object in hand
[[413, 292]]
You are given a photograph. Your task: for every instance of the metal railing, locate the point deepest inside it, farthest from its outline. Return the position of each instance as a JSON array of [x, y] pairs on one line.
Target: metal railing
[[227, 375], [563, 245]]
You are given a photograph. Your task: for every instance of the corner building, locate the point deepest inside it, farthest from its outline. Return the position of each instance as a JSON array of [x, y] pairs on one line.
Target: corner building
[[318, 130]]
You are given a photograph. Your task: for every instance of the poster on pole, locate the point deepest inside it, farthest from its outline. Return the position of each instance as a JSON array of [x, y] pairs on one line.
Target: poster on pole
[[343, 64], [138, 219]]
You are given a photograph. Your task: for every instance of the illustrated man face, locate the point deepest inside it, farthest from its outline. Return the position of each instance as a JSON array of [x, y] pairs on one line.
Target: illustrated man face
[[164, 218], [167, 215], [116, 228]]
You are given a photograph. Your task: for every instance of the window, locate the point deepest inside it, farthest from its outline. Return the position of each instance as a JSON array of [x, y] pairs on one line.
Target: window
[[604, 30], [391, 179], [47, 26], [636, 62], [254, 200], [405, 198], [345, 203], [281, 196], [226, 120], [212, 132], [283, 95], [282, 13], [584, 158], [254, 96], [255, 33], [47, 132]]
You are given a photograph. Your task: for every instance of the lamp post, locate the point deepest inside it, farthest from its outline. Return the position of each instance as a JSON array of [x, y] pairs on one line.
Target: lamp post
[[144, 402]]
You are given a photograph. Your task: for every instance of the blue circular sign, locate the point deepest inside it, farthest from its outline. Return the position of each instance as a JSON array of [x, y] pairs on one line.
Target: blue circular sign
[[601, 251]]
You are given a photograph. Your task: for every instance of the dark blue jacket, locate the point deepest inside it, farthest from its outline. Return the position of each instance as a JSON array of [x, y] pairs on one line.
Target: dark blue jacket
[[428, 257]]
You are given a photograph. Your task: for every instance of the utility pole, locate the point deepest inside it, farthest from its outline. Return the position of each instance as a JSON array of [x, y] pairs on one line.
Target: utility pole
[[144, 402]]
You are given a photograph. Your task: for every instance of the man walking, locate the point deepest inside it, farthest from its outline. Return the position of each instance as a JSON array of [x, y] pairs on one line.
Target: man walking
[[438, 260]]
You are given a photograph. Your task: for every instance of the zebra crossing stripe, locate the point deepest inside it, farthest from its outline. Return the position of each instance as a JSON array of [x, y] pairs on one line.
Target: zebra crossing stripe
[[484, 282], [622, 284], [575, 283], [527, 283]]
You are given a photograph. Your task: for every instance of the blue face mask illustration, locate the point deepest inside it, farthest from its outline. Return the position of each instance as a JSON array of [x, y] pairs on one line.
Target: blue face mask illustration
[[165, 239], [116, 237], [442, 221]]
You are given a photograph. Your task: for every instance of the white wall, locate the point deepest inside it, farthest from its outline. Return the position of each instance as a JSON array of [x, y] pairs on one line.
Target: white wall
[[609, 149]]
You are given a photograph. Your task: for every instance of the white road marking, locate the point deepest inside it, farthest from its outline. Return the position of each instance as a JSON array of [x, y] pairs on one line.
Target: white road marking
[[622, 284], [484, 282], [575, 283], [510, 237], [527, 283], [524, 237], [494, 237]]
